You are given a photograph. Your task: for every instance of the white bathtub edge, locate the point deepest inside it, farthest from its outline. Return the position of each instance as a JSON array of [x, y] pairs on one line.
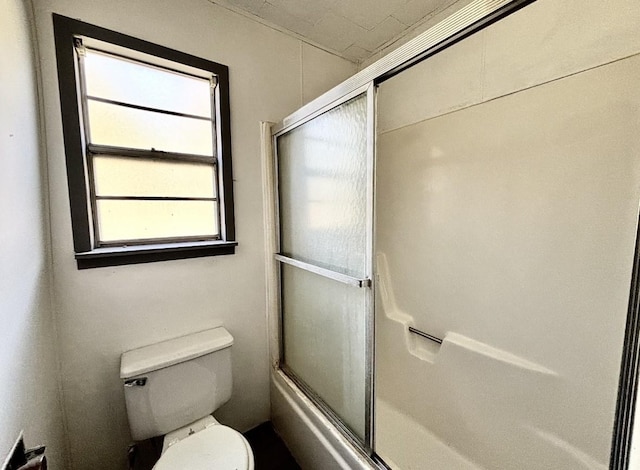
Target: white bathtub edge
[[314, 442]]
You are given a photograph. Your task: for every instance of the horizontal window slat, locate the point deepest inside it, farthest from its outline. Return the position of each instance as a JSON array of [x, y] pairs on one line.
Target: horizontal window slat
[[148, 108], [154, 198], [108, 150]]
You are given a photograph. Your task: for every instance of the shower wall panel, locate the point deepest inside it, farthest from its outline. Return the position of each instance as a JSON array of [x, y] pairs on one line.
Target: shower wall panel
[[506, 219]]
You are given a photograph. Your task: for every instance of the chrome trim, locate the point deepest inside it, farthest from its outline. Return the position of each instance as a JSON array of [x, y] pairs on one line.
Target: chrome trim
[[369, 251], [137, 382], [466, 20], [323, 406], [345, 279], [312, 415], [626, 404], [279, 129], [425, 335]]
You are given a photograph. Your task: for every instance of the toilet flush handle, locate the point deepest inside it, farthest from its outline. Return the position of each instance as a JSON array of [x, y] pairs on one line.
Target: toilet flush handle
[[138, 382]]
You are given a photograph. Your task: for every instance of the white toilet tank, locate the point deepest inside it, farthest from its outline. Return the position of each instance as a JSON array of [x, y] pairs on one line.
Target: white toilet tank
[[176, 382]]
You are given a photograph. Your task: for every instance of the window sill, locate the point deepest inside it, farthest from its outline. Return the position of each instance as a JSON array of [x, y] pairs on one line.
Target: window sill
[[118, 256]]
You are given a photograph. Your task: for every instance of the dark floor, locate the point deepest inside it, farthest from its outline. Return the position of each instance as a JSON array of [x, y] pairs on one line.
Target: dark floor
[[269, 451]]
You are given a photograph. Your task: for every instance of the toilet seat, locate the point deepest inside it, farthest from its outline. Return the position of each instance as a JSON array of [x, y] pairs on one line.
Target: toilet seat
[[216, 447]]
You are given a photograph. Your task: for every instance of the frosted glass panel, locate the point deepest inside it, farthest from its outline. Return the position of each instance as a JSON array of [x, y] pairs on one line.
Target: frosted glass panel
[[132, 128], [119, 176], [323, 190], [127, 220], [324, 340], [131, 82]]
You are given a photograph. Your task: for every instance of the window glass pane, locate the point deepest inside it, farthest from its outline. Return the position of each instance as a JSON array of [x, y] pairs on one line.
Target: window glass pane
[[120, 176], [323, 192], [324, 340], [132, 128], [128, 220], [131, 82]]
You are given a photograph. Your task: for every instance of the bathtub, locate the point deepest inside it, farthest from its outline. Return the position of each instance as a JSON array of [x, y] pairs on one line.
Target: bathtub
[[312, 439]]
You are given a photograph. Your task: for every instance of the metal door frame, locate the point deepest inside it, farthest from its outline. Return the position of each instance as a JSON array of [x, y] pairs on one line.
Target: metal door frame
[[367, 89]]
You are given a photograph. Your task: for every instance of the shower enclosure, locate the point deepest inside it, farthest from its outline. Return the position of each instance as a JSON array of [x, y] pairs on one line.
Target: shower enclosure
[[325, 212], [454, 246]]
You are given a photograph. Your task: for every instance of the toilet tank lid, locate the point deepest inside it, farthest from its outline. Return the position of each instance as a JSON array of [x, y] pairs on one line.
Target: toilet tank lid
[[167, 353]]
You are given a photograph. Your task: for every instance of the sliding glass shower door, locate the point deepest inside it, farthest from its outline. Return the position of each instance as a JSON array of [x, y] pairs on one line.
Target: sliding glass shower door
[[325, 167]]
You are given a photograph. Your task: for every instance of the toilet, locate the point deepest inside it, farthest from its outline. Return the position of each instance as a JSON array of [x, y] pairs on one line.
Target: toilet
[[171, 388]]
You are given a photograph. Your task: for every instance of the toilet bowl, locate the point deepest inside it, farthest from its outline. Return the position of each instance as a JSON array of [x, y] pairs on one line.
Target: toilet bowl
[[214, 447], [171, 389]]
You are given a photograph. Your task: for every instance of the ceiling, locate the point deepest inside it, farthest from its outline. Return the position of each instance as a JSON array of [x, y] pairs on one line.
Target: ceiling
[[354, 29]]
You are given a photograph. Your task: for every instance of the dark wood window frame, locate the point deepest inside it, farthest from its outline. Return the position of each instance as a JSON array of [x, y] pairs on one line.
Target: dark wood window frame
[[87, 255]]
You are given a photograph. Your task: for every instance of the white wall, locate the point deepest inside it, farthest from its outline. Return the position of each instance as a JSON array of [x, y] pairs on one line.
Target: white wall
[[103, 312], [29, 385]]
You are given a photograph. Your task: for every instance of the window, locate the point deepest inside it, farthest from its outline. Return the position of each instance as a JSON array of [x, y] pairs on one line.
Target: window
[[147, 145]]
